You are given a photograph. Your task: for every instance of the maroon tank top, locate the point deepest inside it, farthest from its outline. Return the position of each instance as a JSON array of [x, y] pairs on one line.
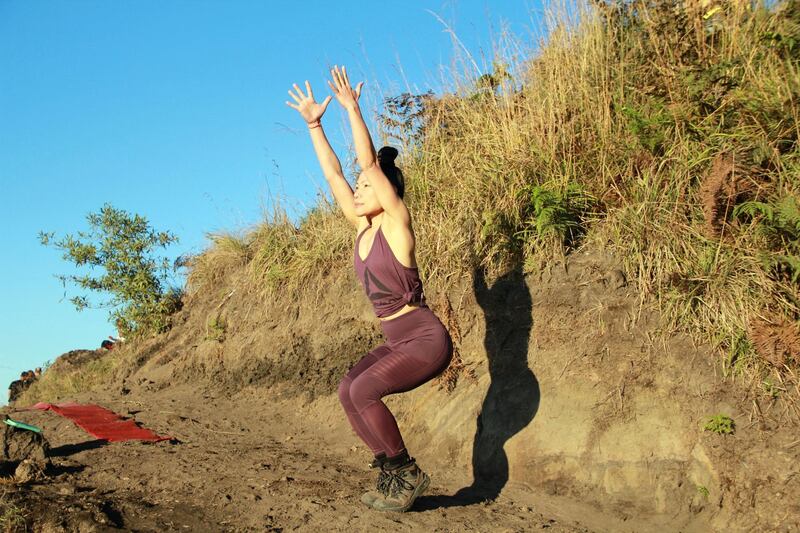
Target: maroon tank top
[[389, 284]]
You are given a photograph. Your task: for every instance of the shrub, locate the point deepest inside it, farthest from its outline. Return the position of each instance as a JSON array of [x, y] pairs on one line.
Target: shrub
[[135, 279]]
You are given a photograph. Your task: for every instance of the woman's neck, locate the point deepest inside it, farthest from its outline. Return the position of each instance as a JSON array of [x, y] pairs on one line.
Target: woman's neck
[[376, 219]]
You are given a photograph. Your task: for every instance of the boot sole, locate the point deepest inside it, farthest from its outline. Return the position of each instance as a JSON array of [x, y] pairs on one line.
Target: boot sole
[[419, 491]]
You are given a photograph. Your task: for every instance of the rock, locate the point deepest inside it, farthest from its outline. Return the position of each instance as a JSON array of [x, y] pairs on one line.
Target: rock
[[28, 470], [51, 526], [18, 446]]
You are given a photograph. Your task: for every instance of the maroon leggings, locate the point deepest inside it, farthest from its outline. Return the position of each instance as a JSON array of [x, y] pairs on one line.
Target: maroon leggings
[[417, 349]]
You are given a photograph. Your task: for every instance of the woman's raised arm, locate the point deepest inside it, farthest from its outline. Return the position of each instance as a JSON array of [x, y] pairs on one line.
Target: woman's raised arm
[[331, 167], [391, 203]]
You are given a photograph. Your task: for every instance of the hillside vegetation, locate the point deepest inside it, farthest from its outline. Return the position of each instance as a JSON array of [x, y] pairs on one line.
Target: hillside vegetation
[[663, 132]]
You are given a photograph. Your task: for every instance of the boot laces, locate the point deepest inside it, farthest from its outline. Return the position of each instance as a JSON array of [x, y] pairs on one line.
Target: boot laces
[[390, 482]]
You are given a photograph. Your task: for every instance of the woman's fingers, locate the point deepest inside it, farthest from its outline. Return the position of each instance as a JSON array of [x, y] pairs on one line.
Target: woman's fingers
[[309, 91], [339, 78], [299, 91], [340, 85], [294, 96], [325, 103], [293, 106], [335, 84]]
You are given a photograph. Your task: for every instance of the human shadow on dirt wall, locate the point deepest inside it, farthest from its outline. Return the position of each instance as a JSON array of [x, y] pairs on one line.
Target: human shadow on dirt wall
[[512, 399]]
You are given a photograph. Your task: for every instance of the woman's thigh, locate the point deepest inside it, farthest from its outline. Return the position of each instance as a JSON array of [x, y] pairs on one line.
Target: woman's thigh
[[399, 371], [372, 357]]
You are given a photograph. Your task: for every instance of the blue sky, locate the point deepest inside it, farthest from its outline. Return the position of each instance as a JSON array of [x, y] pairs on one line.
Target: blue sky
[[175, 111]]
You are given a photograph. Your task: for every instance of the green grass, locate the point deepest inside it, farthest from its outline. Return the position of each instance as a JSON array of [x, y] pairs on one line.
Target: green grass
[[216, 329]]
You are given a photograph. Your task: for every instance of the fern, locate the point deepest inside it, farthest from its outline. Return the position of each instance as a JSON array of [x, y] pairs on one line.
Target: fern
[[755, 210], [791, 263], [787, 217], [780, 220], [555, 214]]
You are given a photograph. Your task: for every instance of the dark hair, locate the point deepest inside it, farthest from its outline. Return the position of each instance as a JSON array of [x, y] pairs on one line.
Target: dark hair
[[106, 344], [386, 157]]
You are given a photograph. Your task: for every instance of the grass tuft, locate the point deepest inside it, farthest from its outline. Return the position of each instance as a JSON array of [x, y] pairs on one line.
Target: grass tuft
[[12, 517]]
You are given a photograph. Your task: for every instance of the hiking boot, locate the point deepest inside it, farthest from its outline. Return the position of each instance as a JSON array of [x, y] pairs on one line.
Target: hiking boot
[[400, 487], [370, 496]]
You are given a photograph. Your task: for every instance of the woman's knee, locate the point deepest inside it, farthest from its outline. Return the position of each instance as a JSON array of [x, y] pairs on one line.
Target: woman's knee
[[364, 391]]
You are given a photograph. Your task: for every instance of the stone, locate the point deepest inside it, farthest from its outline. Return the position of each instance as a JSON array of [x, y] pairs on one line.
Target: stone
[[20, 445]]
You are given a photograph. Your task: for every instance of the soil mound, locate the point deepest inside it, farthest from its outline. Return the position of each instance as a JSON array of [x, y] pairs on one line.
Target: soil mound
[[75, 359]]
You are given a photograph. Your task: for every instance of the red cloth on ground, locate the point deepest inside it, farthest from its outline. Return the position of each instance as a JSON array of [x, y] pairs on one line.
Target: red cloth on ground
[[100, 422]]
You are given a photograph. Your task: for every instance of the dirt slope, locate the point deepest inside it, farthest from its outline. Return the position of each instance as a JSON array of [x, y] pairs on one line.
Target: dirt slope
[[571, 411]]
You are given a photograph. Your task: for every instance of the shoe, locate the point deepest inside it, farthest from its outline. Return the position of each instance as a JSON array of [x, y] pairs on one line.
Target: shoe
[[381, 486], [368, 497], [400, 487]]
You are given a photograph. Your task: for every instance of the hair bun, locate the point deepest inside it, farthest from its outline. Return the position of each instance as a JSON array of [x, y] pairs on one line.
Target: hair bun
[[387, 155]]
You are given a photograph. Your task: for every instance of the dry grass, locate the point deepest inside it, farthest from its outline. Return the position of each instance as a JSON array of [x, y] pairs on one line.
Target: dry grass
[[276, 253], [227, 253], [638, 106], [67, 382]]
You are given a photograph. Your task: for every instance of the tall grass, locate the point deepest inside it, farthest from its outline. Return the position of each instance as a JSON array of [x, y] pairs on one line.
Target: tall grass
[[276, 254], [638, 127]]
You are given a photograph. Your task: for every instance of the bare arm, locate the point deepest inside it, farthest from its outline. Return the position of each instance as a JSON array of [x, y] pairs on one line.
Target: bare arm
[[331, 167], [391, 203]]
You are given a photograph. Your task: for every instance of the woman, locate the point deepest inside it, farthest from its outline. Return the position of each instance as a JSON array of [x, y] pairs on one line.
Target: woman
[[417, 347]]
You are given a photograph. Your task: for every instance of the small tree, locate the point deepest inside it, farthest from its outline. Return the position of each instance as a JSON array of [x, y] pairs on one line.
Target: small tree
[[123, 245]]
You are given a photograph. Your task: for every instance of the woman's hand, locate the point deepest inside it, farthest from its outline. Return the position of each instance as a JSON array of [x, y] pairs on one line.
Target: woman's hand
[[344, 94], [306, 106]]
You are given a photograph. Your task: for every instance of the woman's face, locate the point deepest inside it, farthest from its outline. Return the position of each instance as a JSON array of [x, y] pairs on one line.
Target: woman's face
[[365, 201]]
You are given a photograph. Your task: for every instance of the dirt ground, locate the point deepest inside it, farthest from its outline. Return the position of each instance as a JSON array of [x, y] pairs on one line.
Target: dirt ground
[[237, 466], [569, 400]]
